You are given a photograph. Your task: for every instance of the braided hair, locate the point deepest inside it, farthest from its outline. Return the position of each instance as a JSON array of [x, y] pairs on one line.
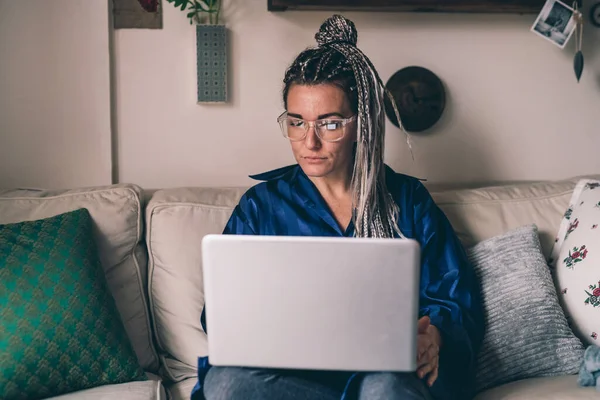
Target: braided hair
[[338, 61]]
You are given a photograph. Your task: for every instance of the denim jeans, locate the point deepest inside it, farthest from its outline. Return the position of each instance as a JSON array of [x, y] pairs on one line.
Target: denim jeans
[[229, 383]]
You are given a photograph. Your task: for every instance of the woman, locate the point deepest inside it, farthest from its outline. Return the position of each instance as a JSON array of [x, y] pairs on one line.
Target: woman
[[334, 120]]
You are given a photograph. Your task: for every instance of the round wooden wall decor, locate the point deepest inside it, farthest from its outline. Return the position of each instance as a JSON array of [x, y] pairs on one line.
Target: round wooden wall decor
[[595, 15], [420, 98]]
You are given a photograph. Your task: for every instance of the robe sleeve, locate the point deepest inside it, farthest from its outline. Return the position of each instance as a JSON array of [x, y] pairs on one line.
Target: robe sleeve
[[449, 295], [238, 223]]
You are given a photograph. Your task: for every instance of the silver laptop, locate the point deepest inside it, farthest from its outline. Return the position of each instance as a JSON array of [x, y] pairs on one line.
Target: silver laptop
[[345, 304]]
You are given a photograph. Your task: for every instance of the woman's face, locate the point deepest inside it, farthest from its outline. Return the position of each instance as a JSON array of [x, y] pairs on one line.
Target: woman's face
[[316, 157]]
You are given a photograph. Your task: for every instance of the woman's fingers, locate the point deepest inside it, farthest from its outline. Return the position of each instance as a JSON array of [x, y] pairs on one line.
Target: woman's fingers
[[422, 354], [423, 324], [423, 359], [424, 370], [430, 368], [423, 345], [433, 376], [427, 353], [433, 351]]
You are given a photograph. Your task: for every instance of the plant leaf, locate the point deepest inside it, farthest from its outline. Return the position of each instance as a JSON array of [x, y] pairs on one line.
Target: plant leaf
[[179, 3], [201, 5], [182, 3], [578, 64]]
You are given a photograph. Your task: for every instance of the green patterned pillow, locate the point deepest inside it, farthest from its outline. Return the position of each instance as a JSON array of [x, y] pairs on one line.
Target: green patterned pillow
[[60, 330]]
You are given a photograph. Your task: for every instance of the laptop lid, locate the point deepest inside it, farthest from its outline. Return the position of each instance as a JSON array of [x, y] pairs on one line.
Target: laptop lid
[[311, 302]]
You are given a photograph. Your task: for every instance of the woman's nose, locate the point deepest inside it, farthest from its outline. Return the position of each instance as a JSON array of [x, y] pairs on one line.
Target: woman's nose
[[312, 141]]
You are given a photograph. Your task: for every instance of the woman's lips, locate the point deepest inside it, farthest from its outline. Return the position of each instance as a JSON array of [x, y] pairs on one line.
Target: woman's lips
[[315, 160]]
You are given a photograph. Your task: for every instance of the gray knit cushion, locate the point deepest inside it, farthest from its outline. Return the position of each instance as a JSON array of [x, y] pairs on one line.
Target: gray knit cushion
[[527, 334]]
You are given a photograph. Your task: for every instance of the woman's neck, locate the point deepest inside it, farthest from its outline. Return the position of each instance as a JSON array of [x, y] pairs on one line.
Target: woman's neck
[[334, 187], [337, 195]]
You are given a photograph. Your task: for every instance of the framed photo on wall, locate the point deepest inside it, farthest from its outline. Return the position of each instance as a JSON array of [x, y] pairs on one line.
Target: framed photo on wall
[[556, 22]]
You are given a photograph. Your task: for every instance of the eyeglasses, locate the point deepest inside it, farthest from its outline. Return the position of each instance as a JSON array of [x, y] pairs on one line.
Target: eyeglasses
[[327, 129]]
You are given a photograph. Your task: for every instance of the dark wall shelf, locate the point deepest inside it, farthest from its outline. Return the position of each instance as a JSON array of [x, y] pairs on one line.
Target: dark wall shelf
[[467, 6]]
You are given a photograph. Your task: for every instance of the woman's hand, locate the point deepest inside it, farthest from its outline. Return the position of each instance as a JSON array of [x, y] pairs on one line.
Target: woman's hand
[[429, 342]]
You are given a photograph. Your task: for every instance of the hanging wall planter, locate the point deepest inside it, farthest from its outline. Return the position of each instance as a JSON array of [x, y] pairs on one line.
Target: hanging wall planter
[[211, 48], [211, 53]]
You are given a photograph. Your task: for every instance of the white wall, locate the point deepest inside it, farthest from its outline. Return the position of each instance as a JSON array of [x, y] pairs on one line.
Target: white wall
[[515, 110], [54, 93]]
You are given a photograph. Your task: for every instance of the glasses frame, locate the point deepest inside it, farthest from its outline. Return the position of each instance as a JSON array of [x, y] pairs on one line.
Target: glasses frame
[[345, 121]]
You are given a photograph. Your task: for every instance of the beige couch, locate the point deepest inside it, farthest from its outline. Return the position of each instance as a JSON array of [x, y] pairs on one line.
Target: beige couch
[[152, 257]]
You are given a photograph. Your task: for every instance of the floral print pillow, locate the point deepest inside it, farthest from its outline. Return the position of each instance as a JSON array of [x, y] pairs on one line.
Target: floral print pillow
[[575, 261]]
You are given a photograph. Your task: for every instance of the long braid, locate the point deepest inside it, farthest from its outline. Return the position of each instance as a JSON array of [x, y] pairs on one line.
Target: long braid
[[338, 60]]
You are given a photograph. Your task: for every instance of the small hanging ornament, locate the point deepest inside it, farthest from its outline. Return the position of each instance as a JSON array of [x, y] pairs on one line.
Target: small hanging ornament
[[578, 60]]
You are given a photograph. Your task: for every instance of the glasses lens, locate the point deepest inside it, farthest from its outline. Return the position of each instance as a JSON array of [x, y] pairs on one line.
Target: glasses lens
[[293, 128], [331, 130]]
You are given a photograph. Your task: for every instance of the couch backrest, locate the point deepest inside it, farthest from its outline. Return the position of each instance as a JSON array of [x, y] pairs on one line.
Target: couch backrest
[[478, 214], [177, 219], [118, 216]]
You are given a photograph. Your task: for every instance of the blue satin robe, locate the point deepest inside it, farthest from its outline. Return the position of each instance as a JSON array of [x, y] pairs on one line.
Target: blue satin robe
[[288, 203]]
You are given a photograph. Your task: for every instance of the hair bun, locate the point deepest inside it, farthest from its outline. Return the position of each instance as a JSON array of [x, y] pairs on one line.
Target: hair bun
[[337, 29]]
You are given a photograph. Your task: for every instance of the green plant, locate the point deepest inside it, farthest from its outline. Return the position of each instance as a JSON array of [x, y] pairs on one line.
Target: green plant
[[197, 7]]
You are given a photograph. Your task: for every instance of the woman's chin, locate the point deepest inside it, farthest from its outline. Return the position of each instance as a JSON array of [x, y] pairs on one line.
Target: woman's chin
[[315, 171]]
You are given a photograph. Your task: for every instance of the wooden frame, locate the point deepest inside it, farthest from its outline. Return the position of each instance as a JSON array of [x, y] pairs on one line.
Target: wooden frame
[[474, 6]]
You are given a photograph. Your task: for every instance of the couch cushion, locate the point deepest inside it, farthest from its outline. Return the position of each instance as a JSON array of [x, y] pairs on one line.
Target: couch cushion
[[177, 220], [61, 331], [576, 261], [527, 334], [482, 213], [117, 214], [181, 390], [148, 390], [554, 388]]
